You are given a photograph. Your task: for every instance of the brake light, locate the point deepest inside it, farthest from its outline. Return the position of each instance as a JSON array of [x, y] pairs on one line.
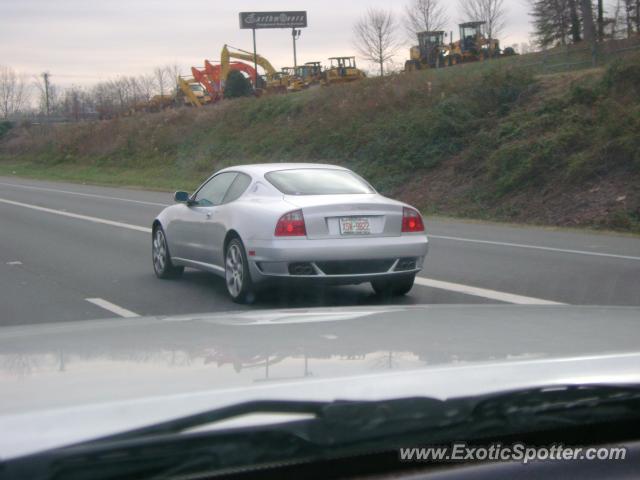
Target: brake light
[[291, 225], [411, 220]]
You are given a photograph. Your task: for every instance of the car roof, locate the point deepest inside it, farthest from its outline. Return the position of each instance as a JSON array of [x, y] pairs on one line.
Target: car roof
[[261, 168]]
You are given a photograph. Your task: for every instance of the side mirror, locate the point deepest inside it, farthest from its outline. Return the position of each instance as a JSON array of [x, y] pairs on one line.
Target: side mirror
[[181, 197]]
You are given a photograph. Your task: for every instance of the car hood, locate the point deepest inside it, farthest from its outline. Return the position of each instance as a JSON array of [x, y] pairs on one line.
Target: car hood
[[63, 383]]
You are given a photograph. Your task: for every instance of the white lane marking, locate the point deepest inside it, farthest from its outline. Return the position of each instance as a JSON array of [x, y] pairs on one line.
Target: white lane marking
[[536, 247], [92, 195], [483, 292], [426, 282], [78, 216], [112, 307], [15, 262]]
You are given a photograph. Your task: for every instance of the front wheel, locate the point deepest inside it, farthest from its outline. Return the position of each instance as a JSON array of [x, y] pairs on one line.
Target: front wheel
[[236, 273], [395, 286], [162, 265]]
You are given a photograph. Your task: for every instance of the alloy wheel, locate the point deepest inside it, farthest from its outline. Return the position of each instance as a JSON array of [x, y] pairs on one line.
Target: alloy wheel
[[234, 271], [159, 251]]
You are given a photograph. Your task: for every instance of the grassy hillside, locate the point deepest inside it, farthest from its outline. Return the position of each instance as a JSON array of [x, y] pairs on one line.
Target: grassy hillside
[[488, 141]]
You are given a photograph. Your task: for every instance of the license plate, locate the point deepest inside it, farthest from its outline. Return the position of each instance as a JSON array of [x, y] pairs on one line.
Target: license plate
[[354, 226]]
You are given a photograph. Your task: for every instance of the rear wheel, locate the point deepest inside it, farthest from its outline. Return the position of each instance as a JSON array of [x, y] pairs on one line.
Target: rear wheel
[[394, 286], [162, 265], [236, 273]]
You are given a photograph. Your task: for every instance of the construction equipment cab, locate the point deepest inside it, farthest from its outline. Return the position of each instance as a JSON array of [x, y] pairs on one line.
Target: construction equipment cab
[[304, 76], [192, 92], [474, 44], [431, 52], [342, 70]]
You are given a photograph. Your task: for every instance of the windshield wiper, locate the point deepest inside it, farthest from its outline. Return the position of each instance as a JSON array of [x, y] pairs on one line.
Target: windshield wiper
[[336, 428]]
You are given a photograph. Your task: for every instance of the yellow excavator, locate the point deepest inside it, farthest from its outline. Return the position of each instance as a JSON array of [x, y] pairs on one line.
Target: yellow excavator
[[274, 81], [342, 70], [192, 92]]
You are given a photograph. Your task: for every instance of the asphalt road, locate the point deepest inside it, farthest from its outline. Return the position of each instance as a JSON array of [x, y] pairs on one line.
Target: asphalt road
[[73, 252]]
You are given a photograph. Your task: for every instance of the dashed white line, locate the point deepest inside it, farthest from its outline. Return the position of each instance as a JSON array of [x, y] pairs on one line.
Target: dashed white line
[[77, 216], [112, 307], [483, 292], [81, 194], [15, 262], [536, 247], [426, 282]]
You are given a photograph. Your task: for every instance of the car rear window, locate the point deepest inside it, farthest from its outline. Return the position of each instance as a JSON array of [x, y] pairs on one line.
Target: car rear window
[[318, 181]]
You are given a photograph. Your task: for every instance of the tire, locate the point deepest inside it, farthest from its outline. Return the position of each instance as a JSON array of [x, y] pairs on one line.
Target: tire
[[397, 286], [162, 265], [236, 273]]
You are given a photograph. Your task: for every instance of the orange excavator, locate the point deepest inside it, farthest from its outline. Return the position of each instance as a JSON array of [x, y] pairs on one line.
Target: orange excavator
[[212, 87], [210, 77], [215, 71]]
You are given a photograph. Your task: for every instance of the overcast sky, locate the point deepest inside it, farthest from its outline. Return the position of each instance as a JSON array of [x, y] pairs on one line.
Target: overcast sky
[[84, 41]]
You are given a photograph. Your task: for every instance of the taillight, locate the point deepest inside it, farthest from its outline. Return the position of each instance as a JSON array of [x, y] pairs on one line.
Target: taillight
[[291, 225], [411, 221]]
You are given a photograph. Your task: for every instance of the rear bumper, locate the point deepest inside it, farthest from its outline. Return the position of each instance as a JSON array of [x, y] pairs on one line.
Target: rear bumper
[[270, 259]]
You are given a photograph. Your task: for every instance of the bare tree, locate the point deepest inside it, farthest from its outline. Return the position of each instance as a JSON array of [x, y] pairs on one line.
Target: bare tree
[[77, 103], [13, 91], [163, 79], [587, 21], [375, 37], [146, 87], [600, 20], [424, 15], [492, 12], [629, 6], [174, 72]]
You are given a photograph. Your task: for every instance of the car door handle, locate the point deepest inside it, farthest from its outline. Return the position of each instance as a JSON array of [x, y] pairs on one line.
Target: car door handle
[[208, 215]]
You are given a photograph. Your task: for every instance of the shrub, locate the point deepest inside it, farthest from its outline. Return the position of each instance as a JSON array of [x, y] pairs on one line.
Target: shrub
[[5, 126], [237, 85]]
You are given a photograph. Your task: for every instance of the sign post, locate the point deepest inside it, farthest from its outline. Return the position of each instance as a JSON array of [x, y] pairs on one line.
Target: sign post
[[295, 33], [255, 61], [255, 20]]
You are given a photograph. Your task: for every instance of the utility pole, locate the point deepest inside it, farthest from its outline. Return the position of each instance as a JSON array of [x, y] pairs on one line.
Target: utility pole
[[45, 75], [295, 33], [255, 61]]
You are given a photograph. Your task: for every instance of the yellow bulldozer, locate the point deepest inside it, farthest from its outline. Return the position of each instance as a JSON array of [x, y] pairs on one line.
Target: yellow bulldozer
[[303, 76], [342, 70]]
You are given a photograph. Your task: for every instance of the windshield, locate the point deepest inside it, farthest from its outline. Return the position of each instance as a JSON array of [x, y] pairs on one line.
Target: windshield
[[315, 181]]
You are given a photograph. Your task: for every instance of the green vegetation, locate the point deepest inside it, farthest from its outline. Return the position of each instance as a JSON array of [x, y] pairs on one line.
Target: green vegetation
[[5, 126], [237, 86], [485, 141]]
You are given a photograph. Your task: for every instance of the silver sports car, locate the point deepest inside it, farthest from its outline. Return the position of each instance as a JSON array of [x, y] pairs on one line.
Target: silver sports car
[[256, 224]]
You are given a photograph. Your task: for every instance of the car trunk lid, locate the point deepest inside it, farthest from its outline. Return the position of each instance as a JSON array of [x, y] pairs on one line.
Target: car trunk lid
[[348, 216]]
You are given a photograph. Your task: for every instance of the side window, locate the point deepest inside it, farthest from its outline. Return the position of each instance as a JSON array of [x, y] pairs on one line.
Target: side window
[[237, 188], [215, 189]]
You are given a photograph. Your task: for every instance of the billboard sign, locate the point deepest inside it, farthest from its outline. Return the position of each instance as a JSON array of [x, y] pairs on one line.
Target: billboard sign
[[253, 20]]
